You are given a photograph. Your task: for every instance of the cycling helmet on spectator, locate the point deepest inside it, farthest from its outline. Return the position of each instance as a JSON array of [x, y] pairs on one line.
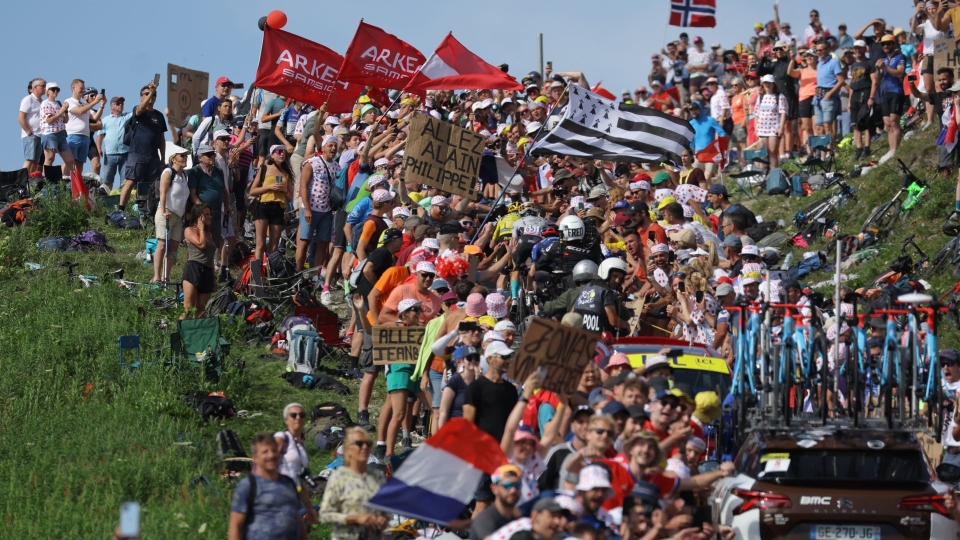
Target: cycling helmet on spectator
[[585, 270], [572, 228], [611, 264], [549, 231]]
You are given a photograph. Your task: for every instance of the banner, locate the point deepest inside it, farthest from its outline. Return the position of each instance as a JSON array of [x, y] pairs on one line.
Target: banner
[[379, 59], [444, 156], [297, 68], [186, 90], [396, 344], [563, 351]]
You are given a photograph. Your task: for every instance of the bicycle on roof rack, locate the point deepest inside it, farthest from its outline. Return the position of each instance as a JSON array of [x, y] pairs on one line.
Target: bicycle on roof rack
[[798, 377], [884, 217]]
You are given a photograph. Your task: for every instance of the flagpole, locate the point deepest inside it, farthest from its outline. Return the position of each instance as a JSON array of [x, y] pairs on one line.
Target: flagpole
[[519, 163]]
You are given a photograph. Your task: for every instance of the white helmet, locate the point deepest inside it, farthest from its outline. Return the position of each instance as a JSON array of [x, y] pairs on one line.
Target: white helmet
[[611, 264], [585, 270], [572, 228]]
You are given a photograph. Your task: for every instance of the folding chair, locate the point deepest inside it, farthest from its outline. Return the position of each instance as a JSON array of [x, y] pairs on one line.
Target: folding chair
[[819, 144], [14, 185], [327, 324], [129, 342], [53, 174], [197, 343]]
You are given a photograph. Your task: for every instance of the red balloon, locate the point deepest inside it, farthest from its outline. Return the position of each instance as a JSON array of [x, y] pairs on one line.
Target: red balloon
[[276, 19]]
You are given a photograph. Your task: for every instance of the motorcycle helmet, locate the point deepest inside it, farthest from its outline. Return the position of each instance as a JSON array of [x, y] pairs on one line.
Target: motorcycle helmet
[[611, 264], [572, 228], [585, 270]]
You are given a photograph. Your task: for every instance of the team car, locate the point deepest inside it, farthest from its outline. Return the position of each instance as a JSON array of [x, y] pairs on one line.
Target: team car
[[814, 483]]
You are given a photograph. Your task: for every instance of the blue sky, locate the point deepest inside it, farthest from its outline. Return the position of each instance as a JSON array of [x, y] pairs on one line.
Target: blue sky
[[119, 45]]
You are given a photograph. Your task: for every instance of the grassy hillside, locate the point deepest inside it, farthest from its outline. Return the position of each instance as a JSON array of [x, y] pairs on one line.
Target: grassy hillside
[[78, 434], [874, 188]]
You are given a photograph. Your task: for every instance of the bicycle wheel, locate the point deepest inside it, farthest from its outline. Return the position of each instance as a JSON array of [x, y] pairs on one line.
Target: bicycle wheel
[[943, 257], [882, 218]]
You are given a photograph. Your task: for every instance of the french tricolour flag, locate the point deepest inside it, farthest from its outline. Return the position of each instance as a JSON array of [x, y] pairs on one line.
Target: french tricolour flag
[[440, 477]]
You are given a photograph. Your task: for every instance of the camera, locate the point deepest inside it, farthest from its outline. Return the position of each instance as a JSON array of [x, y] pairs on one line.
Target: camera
[[308, 479]]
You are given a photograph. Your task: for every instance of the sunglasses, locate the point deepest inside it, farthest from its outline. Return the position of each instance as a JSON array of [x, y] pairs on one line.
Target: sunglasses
[[362, 444], [510, 485], [298, 415], [54, 89], [948, 363], [450, 303], [425, 275], [670, 404], [607, 432], [275, 152], [467, 223]]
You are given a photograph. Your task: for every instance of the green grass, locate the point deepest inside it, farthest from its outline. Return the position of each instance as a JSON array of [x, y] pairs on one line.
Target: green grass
[[78, 434], [876, 187]]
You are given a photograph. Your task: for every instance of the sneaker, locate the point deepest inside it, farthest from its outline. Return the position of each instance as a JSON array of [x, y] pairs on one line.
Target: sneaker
[[326, 298], [380, 452], [886, 157], [925, 126], [363, 418], [405, 444]]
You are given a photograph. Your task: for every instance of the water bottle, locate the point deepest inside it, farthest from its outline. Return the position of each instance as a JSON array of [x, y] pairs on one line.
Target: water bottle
[[787, 261]]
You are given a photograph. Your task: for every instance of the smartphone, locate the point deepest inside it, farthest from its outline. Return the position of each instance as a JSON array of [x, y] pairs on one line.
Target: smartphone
[[550, 65], [130, 519], [103, 91], [699, 296], [156, 79], [912, 78], [541, 373], [652, 237], [682, 287]]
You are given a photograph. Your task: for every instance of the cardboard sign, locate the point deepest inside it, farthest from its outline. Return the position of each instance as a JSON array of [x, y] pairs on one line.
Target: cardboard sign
[[562, 350], [443, 156], [946, 54], [396, 344], [931, 447], [186, 90]]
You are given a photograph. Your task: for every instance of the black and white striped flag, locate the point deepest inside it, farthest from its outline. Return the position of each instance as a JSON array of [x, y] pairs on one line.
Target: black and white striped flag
[[596, 127]]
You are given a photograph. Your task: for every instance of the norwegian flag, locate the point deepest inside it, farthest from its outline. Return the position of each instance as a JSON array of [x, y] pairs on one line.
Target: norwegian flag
[[693, 13], [715, 152]]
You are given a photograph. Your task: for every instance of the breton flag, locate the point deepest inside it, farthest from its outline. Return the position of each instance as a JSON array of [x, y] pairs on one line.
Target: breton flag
[[452, 67], [693, 13], [599, 128], [440, 477]]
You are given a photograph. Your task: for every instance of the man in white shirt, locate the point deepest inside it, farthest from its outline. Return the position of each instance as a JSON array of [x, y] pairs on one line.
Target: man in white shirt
[[78, 121], [29, 119]]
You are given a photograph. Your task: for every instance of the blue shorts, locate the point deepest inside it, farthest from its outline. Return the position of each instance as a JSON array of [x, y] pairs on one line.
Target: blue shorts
[[32, 149], [319, 230], [55, 141], [826, 111], [436, 387], [79, 147], [141, 168]]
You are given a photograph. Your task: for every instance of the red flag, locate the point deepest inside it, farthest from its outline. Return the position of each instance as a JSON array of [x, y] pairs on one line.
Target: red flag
[[452, 67], [376, 58], [300, 69], [715, 152], [693, 13], [597, 89], [80, 190]]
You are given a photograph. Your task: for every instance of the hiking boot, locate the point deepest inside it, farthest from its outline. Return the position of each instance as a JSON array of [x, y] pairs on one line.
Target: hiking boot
[[363, 418], [380, 452], [405, 444], [858, 155], [326, 298]]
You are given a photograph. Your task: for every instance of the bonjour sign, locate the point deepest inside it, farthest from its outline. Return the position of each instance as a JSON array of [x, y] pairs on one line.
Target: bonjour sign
[[396, 344], [563, 351], [444, 156]]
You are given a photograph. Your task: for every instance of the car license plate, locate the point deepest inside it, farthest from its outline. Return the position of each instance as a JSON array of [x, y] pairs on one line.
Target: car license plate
[[844, 532]]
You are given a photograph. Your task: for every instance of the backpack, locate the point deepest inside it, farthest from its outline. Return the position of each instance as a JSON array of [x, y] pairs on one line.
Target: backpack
[[328, 421], [303, 342], [777, 183], [15, 213], [131, 127], [338, 189], [774, 239], [210, 405], [90, 241], [356, 273], [231, 451], [54, 243], [761, 230], [280, 266], [294, 320], [123, 220]]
